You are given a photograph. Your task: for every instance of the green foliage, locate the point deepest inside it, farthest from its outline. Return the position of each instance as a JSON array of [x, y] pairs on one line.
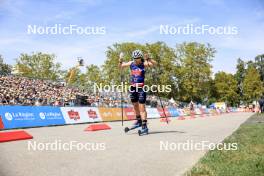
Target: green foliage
[[226, 88], [252, 85], [92, 77], [5, 69], [38, 65], [186, 68], [111, 71], [240, 75], [163, 74], [195, 71], [259, 60]]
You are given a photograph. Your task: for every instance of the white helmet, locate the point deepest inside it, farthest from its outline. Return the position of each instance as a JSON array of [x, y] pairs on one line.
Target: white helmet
[[137, 54]]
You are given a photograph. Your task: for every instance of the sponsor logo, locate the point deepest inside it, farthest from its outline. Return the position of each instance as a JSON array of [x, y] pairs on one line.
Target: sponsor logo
[[130, 113], [92, 114], [106, 114], [8, 116], [136, 72], [73, 115], [42, 115], [116, 113]]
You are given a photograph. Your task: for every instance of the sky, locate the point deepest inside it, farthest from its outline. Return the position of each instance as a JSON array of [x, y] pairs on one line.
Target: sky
[[130, 21]]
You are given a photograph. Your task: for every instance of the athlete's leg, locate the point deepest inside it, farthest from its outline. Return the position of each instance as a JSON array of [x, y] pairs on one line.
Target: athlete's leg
[[136, 108], [143, 111], [134, 99], [142, 100]]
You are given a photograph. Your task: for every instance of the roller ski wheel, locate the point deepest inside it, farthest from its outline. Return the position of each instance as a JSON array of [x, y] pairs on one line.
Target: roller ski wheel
[[143, 132], [126, 129], [136, 125]]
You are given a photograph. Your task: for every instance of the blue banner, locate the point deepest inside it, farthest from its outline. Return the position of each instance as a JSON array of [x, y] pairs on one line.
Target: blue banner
[[30, 116], [174, 112]]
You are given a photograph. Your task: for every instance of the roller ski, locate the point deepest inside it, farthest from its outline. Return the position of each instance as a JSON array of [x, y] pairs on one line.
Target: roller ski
[[144, 130], [136, 125]]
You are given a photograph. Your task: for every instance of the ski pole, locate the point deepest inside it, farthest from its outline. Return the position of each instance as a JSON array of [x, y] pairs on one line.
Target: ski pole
[[121, 56], [155, 76]]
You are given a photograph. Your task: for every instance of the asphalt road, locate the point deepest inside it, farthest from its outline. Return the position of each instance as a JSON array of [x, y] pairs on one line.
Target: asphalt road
[[114, 153]]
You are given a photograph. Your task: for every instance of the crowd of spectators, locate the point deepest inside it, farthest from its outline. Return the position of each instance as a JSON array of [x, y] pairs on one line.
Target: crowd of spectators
[[15, 90]]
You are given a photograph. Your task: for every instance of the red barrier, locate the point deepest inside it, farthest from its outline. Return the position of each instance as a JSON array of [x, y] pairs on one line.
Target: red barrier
[[14, 136], [1, 124], [97, 127]]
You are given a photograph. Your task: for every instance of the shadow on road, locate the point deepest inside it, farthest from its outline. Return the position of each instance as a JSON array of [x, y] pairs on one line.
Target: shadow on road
[[160, 132]]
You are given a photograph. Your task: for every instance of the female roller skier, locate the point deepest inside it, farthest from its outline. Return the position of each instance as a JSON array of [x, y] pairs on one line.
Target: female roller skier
[[137, 93]]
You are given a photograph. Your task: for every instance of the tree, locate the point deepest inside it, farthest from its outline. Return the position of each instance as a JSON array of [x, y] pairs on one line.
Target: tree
[[259, 61], [73, 76], [251, 63], [166, 72], [195, 71], [226, 88], [111, 71], [5, 69], [92, 77], [252, 85], [240, 75], [38, 65], [212, 94], [164, 55]]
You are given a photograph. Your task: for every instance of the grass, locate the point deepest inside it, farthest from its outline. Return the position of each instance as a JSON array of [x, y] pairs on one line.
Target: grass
[[247, 160]]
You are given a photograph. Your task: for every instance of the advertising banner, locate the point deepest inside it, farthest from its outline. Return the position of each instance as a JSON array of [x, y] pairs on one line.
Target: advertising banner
[[160, 110], [130, 113], [93, 114], [117, 114], [152, 113], [112, 114], [1, 123], [174, 112], [74, 115], [30, 116]]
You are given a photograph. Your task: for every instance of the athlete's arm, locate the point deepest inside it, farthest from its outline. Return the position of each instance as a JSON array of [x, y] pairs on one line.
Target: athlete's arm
[[149, 62], [124, 64]]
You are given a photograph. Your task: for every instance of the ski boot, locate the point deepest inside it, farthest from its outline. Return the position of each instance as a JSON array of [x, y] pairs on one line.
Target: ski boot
[[137, 124], [144, 130]]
